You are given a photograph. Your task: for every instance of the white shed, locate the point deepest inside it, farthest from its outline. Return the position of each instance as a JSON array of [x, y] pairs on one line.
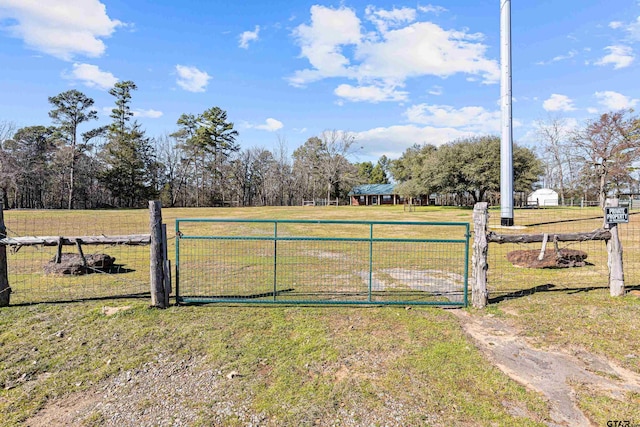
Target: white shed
[[543, 197]]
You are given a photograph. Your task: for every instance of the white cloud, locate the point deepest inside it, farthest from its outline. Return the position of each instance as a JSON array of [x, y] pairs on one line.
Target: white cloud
[[270, 125], [592, 110], [558, 102], [572, 53], [191, 79], [432, 9], [425, 48], [92, 76], [436, 90], [373, 94], [61, 28], [632, 29], [615, 101], [321, 43], [620, 56], [336, 45], [469, 119], [392, 141], [248, 36], [385, 19], [150, 114]]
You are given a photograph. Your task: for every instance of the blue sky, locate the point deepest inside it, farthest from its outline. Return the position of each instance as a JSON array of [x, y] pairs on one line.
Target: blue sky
[[392, 73]]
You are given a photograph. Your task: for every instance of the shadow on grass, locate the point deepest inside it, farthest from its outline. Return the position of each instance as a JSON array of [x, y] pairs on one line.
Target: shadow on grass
[[549, 287], [237, 299], [116, 269], [138, 295]]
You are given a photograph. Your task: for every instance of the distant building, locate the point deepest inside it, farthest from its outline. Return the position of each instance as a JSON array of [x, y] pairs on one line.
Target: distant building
[[374, 194], [543, 197]]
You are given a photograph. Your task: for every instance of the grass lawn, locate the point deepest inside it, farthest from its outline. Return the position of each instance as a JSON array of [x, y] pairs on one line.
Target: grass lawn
[[299, 364]]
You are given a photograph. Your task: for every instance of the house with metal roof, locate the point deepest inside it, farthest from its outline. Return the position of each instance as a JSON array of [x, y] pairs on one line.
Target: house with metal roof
[[374, 194]]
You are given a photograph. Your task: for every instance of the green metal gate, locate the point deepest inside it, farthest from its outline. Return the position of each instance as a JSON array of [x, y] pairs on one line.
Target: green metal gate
[[321, 262]]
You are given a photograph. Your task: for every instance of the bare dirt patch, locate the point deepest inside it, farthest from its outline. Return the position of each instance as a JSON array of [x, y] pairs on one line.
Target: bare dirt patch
[[564, 258], [551, 373], [110, 311], [76, 265], [435, 282], [160, 393]]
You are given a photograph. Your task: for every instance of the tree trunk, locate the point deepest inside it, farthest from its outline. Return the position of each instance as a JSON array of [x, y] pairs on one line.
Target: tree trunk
[[72, 179], [73, 166], [601, 193]]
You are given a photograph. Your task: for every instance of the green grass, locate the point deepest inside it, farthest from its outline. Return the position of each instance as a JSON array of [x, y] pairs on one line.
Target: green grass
[[305, 362], [298, 364]]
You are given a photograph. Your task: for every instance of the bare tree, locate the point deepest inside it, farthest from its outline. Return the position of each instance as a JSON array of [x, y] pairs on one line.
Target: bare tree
[[176, 166], [554, 133], [283, 173], [608, 146], [336, 147], [8, 164], [7, 129]]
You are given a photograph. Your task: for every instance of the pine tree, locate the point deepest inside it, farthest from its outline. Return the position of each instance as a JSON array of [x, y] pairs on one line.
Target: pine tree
[[207, 136], [128, 155], [72, 108]]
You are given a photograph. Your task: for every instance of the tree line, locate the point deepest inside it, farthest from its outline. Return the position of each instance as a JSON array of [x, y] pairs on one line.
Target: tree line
[[587, 162], [468, 170], [592, 161], [202, 164]]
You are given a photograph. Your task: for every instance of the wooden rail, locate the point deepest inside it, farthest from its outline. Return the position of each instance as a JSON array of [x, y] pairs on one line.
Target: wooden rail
[[482, 238], [159, 265], [131, 240], [599, 234]]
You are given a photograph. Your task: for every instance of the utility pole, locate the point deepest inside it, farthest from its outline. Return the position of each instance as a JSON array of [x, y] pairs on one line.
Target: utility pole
[[506, 142]]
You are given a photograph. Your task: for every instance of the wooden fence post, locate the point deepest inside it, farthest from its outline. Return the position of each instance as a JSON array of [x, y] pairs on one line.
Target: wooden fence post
[[479, 294], [614, 257], [158, 298], [5, 290]]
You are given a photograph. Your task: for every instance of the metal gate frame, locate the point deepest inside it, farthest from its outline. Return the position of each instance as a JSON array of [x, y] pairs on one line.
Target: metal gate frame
[[275, 238]]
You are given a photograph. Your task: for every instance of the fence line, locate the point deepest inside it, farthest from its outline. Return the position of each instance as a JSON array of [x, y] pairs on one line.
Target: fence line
[[483, 236], [321, 261], [36, 273]]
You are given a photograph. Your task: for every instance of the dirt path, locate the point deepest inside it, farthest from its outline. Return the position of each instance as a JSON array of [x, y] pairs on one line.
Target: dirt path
[[548, 372]]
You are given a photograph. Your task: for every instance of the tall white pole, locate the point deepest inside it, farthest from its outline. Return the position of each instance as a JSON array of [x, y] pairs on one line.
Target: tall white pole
[[506, 143]]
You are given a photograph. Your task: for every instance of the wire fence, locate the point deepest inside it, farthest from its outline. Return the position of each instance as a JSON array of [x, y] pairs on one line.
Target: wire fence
[[507, 278], [304, 264], [338, 262], [34, 275]]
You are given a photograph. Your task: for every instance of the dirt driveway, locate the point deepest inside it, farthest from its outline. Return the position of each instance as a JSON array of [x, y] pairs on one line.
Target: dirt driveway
[[551, 373]]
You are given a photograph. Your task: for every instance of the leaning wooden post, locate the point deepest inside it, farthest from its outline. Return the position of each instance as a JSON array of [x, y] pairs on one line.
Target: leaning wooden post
[[614, 256], [479, 294], [157, 255], [5, 290]]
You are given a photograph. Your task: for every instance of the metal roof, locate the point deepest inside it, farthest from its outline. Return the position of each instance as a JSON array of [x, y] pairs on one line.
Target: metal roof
[[372, 190]]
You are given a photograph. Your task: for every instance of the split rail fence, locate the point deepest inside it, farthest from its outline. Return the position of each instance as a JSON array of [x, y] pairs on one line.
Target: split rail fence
[[307, 258], [494, 276], [136, 272]]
